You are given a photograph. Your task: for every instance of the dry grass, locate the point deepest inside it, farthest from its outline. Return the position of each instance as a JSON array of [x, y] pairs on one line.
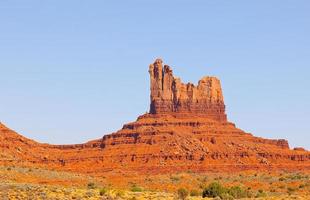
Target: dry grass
[[35, 183]]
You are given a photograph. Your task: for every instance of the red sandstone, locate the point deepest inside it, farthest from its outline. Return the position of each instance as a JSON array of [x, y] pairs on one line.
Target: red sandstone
[[186, 129]]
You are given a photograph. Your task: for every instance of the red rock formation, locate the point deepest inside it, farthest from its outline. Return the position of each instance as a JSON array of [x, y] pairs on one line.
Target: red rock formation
[[170, 95], [186, 129]]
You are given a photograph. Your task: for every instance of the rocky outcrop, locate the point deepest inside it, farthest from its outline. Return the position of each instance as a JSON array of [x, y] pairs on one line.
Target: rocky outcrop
[[186, 129], [170, 95]]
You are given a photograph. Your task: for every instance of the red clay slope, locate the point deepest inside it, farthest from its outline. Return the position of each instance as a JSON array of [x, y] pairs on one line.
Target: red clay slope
[[186, 129]]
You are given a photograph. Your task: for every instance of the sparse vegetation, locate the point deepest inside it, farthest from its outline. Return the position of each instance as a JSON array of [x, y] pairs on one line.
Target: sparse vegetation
[[103, 191], [281, 179], [213, 190], [136, 188], [238, 192], [91, 185], [167, 187], [291, 190], [175, 178], [195, 193], [260, 194], [217, 190], [182, 193], [120, 193], [302, 186]]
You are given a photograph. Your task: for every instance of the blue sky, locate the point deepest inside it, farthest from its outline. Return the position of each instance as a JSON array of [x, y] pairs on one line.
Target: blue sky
[[72, 71]]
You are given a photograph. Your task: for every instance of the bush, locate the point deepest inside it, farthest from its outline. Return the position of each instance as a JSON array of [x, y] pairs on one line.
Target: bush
[[135, 188], [182, 193], [302, 186], [272, 190], [226, 196], [296, 177], [260, 194], [195, 193], [91, 186], [217, 190], [237, 192], [282, 179], [103, 191], [291, 190], [213, 190]]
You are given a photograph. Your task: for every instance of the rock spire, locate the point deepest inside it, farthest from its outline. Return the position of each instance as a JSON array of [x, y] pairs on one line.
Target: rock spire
[[170, 96]]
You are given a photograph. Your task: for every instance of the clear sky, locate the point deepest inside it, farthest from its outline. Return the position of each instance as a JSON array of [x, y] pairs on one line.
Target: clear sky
[[72, 71]]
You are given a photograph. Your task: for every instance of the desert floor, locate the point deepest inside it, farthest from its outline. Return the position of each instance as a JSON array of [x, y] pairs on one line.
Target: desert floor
[[37, 183]]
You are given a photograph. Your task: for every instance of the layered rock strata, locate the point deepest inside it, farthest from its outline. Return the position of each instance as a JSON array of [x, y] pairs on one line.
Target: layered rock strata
[[186, 129], [170, 95]]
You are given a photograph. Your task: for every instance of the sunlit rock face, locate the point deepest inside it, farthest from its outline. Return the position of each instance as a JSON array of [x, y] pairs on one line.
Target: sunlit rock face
[[186, 129], [169, 95]]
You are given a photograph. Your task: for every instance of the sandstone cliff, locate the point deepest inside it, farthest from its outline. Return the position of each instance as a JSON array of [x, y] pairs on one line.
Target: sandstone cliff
[[170, 95], [186, 129]]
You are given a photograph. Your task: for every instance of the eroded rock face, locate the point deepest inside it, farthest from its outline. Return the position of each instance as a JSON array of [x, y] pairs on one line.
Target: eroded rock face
[[186, 129], [170, 95]]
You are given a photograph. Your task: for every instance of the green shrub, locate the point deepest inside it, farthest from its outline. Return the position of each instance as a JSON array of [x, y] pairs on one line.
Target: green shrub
[[296, 177], [217, 190], [103, 191], [237, 192], [182, 193], [195, 193], [136, 188], [226, 196], [213, 190]]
